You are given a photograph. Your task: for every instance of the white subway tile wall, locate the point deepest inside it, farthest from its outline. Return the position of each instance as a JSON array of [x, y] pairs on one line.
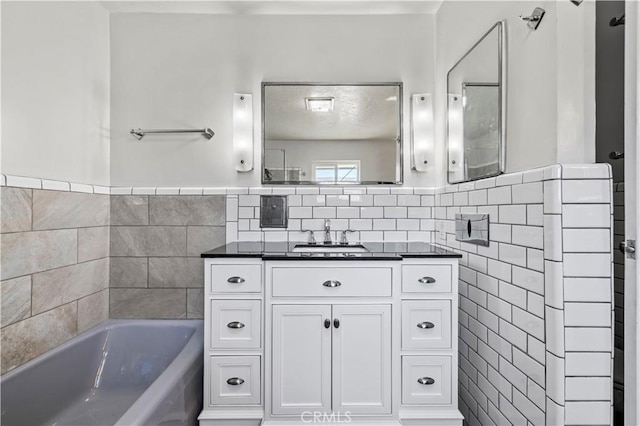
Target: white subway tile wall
[[536, 305]]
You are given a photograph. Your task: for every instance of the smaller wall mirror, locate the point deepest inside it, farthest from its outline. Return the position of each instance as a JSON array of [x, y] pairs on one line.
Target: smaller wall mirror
[[476, 110], [331, 133]]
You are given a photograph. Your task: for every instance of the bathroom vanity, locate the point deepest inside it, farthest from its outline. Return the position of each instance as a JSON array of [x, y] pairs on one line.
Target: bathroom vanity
[[296, 338]]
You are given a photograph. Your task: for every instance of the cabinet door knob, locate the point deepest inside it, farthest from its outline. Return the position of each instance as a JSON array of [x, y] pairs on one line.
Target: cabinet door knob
[[336, 323], [235, 324], [327, 323], [426, 280], [425, 325], [332, 283], [235, 280], [235, 381], [426, 381]]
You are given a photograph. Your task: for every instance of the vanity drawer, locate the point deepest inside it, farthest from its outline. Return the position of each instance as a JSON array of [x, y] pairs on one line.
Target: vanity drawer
[[235, 380], [235, 324], [426, 278], [426, 380], [332, 282], [236, 278], [426, 324]]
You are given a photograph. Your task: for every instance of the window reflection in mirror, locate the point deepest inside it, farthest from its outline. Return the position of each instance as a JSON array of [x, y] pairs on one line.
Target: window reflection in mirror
[[332, 133], [475, 110]]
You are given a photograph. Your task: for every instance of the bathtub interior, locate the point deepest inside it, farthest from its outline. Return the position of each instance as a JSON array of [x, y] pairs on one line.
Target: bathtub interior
[[93, 381]]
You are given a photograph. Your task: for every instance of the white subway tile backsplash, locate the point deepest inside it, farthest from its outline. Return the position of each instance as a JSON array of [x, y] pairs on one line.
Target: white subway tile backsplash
[[312, 224], [528, 279], [552, 197], [378, 190], [510, 179], [324, 212], [554, 383], [512, 294], [587, 265], [529, 323], [515, 255], [589, 364], [330, 190], [313, 200], [371, 236], [586, 171], [121, 191], [384, 224], [299, 212], [134, 191], [516, 214], [486, 183], [528, 236], [371, 212], [419, 212], [586, 191], [535, 215], [361, 224], [553, 284], [535, 259], [347, 212], [55, 185], [587, 314], [587, 339], [553, 237], [461, 198], [408, 225], [553, 172], [337, 200], [246, 212], [586, 216], [248, 200], [478, 198], [191, 191], [528, 193], [307, 190], [533, 175], [409, 200], [588, 413], [499, 232], [499, 195], [588, 389], [427, 200], [281, 190], [427, 225], [294, 200], [395, 212], [536, 349], [554, 327], [99, 189], [587, 289], [231, 231], [395, 236], [261, 190], [446, 199], [535, 304], [586, 240], [360, 200], [232, 209], [23, 182], [499, 270]]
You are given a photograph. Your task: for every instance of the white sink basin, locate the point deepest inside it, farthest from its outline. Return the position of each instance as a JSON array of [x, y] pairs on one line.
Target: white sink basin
[[305, 248]]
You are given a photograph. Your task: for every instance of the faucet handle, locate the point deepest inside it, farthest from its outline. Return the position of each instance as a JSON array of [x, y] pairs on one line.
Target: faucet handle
[[343, 239], [312, 238]]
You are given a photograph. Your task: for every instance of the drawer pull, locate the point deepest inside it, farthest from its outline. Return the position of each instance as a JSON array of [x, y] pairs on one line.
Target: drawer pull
[[336, 323], [332, 283], [327, 323], [235, 381], [426, 280], [425, 325], [235, 280], [235, 324], [426, 381]]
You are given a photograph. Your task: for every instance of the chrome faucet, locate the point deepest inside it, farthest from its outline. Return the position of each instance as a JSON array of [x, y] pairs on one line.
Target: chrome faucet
[[327, 231]]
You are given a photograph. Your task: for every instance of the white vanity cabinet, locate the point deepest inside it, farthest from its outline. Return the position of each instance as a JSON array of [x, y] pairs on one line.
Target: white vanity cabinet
[[331, 342]]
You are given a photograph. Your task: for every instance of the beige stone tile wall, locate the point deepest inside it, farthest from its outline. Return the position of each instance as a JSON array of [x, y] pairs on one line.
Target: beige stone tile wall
[[54, 269], [156, 241]]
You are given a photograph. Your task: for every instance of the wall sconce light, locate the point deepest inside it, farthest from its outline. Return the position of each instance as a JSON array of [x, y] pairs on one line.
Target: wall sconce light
[[455, 137], [243, 132], [421, 131]]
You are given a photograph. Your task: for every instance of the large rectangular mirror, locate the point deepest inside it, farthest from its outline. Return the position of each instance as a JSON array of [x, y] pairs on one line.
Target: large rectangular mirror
[[476, 111], [331, 133]]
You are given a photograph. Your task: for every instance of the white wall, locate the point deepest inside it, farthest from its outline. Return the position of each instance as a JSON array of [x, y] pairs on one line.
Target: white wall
[[550, 76], [179, 70], [55, 91]]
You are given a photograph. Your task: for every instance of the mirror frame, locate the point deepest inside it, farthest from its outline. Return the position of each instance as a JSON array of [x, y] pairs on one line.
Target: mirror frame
[[398, 84], [502, 82]]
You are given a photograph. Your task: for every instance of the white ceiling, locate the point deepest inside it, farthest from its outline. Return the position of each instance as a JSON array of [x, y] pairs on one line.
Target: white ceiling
[[360, 113], [277, 7]]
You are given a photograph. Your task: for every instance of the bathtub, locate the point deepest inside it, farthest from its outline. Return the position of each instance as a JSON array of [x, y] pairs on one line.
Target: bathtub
[[122, 372]]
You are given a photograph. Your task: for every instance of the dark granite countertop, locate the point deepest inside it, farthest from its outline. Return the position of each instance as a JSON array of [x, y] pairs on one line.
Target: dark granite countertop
[[284, 251]]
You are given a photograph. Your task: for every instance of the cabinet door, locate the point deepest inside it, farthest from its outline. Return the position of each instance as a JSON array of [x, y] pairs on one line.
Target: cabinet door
[[301, 359], [362, 359]]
